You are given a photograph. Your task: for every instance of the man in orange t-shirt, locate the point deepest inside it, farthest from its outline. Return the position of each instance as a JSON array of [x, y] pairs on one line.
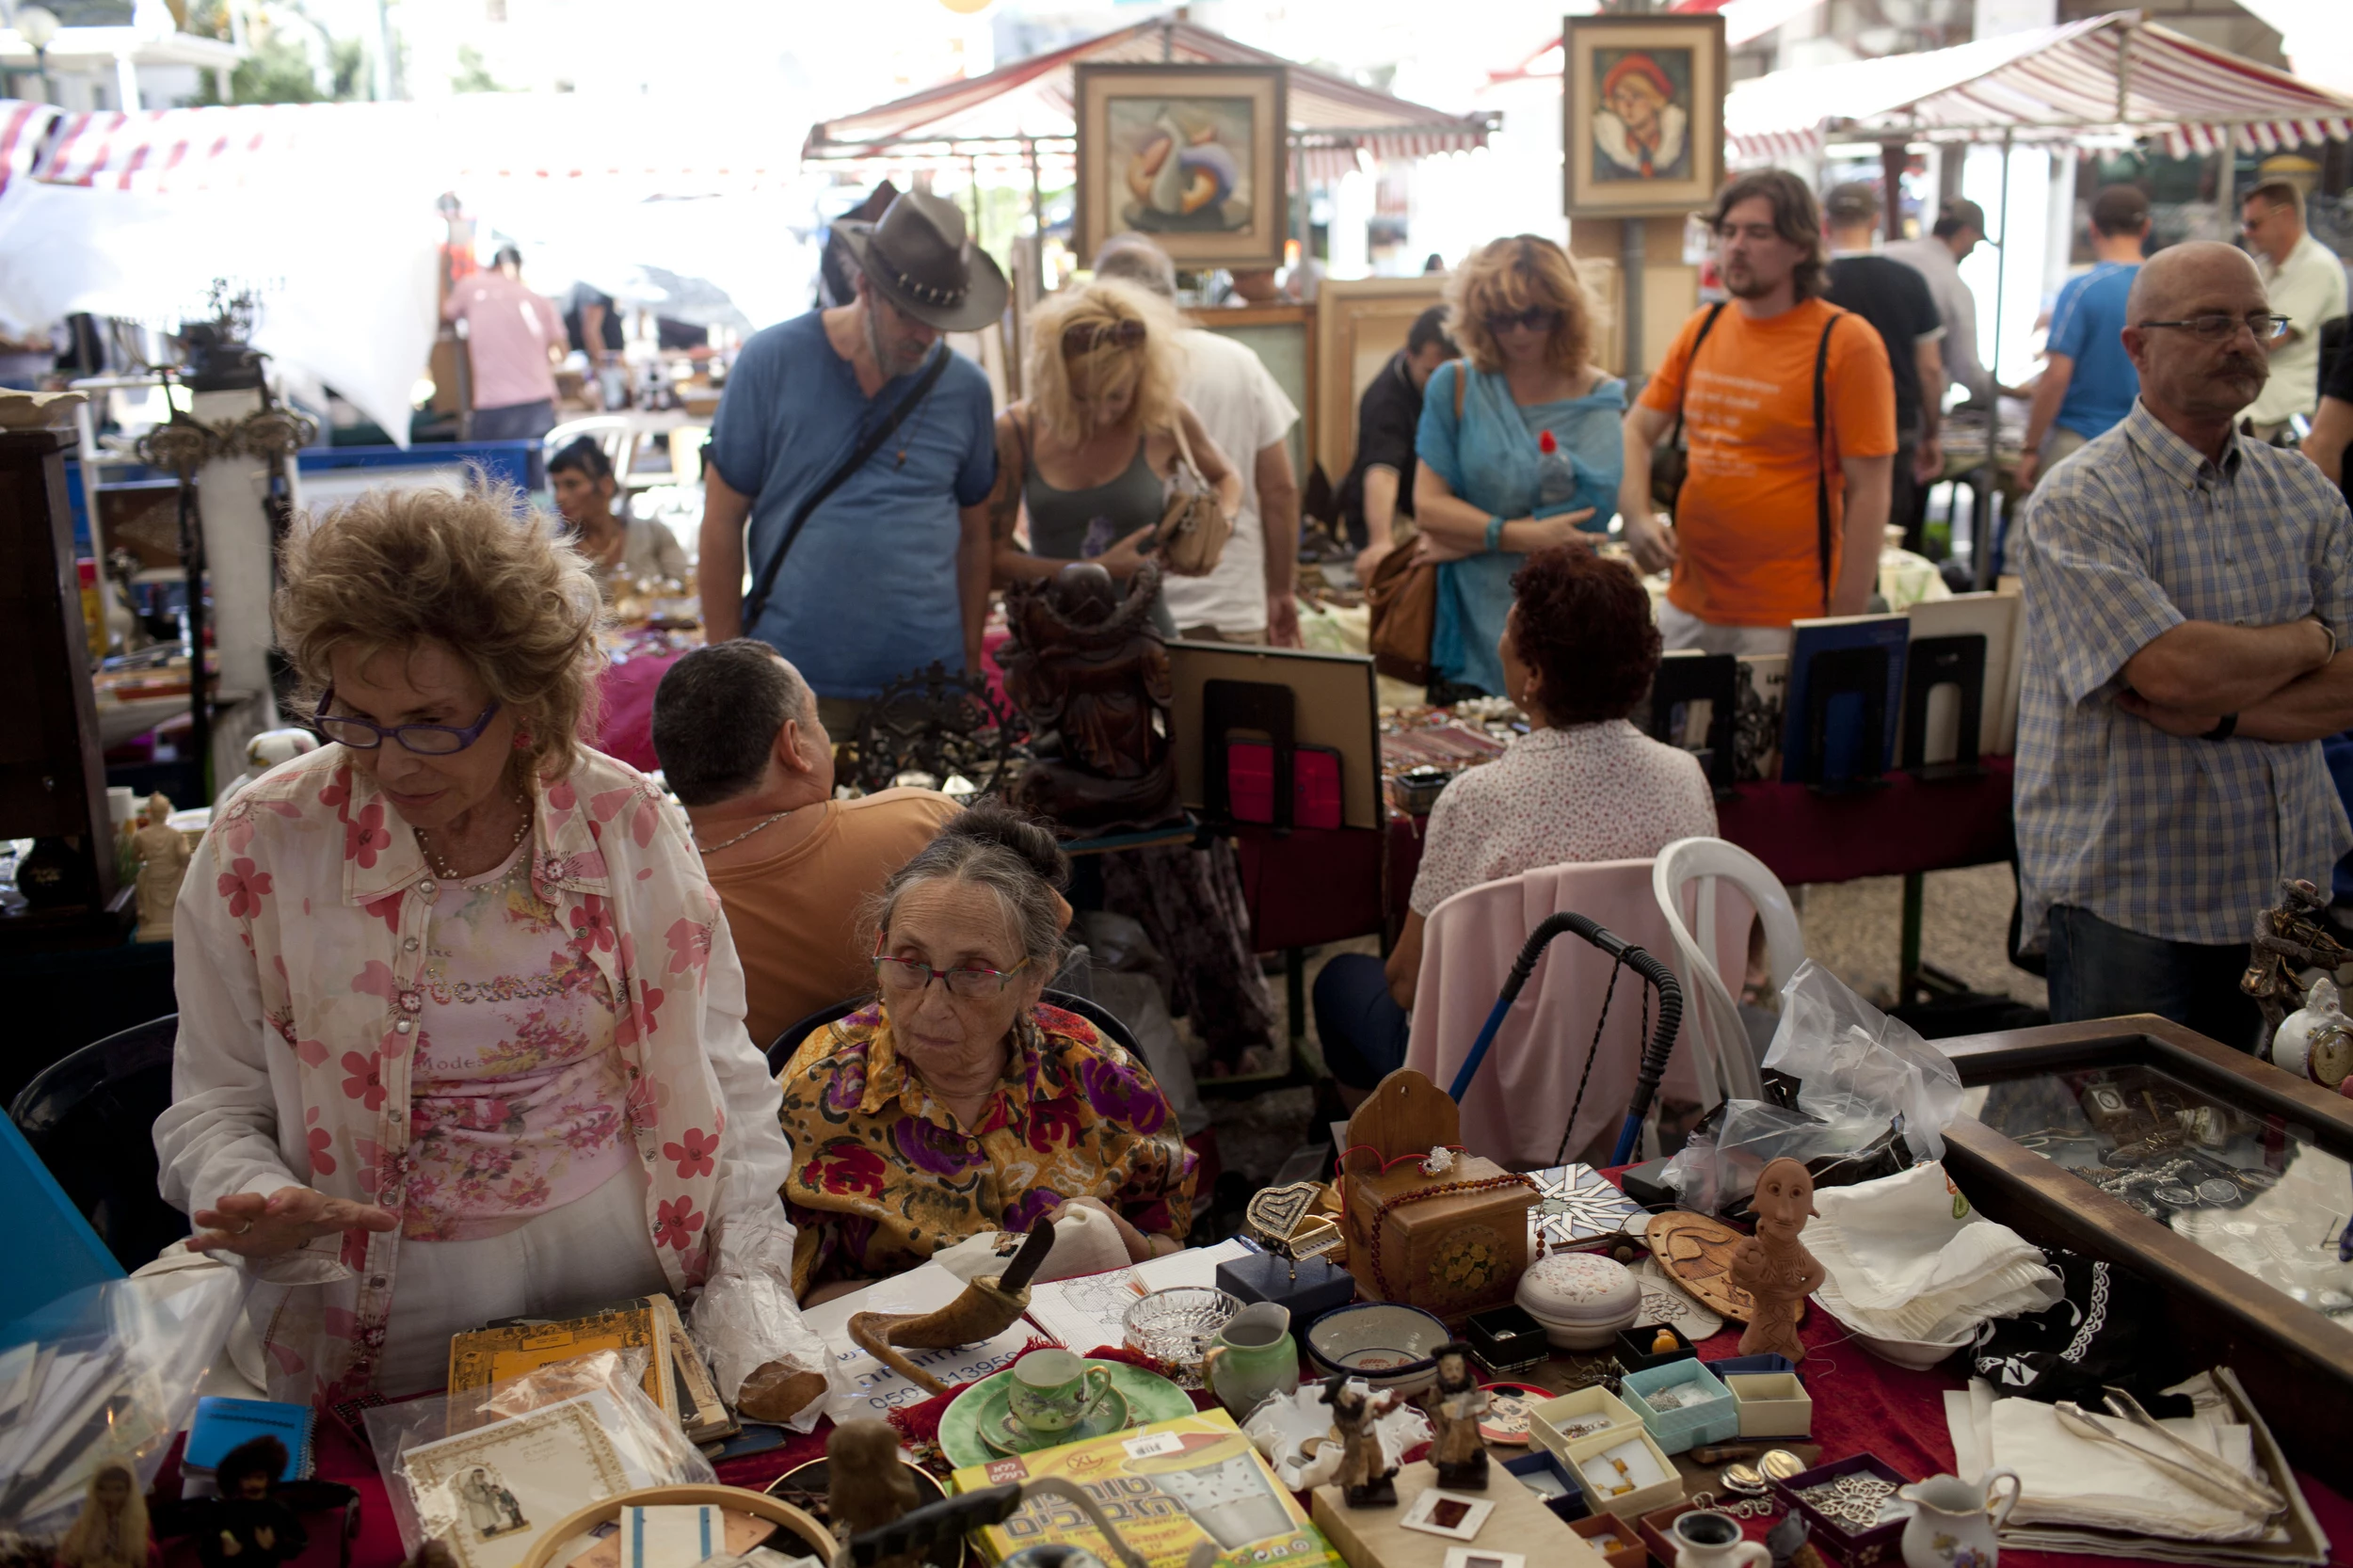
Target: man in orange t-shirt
[[1748, 542]]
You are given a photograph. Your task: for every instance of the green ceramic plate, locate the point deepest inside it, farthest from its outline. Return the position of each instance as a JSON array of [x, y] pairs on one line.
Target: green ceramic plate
[[982, 1407]]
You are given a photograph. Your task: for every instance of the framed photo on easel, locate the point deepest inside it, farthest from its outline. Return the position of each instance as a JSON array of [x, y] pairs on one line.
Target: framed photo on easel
[[1643, 98], [1193, 155]]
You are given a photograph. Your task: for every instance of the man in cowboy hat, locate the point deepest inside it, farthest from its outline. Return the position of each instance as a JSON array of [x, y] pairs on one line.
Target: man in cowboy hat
[[888, 569]]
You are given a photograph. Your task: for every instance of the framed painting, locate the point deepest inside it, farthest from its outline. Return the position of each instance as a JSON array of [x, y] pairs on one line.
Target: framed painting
[[1193, 155], [1644, 102], [1359, 323], [1283, 338]]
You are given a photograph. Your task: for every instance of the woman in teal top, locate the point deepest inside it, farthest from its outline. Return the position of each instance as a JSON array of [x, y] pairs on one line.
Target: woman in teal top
[[1482, 497]]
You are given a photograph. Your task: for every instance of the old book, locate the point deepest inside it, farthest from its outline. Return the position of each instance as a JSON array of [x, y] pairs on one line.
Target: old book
[[510, 1348], [700, 1411], [489, 1492]]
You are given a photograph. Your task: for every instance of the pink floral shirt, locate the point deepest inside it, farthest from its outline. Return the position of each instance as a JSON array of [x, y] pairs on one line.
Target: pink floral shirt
[[303, 940], [516, 1104]]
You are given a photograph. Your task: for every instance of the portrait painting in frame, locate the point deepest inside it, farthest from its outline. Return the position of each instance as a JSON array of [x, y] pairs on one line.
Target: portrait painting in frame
[[1643, 97], [1195, 155]]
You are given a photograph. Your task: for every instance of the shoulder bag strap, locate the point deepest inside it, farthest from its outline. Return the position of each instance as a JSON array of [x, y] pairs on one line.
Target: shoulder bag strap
[[1691, 359], [1821, 464], [1462, 380], [866, 447], [1184, 450]]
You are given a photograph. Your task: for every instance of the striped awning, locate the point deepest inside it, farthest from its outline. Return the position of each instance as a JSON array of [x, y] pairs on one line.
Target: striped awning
[[2112, 72], [22, 128], [1033, 101]]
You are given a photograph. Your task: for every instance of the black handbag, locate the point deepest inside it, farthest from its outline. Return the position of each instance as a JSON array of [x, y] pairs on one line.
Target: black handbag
[[1669, 460]]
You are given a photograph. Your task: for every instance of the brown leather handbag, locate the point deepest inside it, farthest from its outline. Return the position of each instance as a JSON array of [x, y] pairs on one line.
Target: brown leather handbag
[[1193, 527], [1402, 599]]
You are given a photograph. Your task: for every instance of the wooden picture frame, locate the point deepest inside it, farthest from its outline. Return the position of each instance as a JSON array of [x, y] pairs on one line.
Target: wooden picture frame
[[1642, 101], [1334, 705], [1284, 339], [1222, 197], [2296, 1364], [1359, 323]]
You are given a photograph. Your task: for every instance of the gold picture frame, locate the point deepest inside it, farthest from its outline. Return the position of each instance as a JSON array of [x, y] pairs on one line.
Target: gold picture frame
[[1360, 322], [1642, 99], [1197, 156]]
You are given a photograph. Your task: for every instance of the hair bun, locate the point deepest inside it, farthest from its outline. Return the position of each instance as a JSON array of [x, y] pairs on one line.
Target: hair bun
[[992, 822]]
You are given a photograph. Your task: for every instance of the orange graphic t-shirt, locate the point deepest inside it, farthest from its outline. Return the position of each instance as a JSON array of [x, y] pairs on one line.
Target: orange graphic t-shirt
[[1745, 529]]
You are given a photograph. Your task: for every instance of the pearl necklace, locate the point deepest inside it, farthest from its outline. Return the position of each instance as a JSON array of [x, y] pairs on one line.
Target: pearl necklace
[[770, 822], [442, 867]]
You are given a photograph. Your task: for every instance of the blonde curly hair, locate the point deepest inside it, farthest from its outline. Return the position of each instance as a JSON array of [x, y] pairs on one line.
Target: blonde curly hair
[[474, 571], [1095, 317], [1507, 275]]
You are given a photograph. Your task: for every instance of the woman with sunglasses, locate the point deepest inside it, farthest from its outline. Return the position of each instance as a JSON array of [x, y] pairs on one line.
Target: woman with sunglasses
[[462, 1027], [1089, 455], [1481, 494], [957, 1102]]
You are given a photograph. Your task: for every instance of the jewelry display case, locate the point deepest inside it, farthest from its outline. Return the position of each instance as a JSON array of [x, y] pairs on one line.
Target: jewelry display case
[[2222, 1180]]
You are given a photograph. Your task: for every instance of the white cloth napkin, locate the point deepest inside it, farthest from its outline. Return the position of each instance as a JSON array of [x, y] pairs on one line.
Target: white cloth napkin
[[1908, 1258]]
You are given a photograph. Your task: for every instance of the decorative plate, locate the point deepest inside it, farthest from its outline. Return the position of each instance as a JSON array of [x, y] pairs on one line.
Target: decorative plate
[[1696, 1254], [1508, 1403], [1149, 1397], [1665, 1302]]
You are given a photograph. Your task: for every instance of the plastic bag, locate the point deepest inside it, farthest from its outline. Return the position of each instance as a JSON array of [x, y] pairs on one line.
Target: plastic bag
[[106, 1374], [504, 1463], [1861, 1075]]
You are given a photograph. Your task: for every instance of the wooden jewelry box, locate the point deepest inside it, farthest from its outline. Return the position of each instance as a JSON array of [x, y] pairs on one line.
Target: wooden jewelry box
[[1450, 1239]]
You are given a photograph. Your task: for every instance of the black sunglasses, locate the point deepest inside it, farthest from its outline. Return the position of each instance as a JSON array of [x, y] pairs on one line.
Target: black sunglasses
[[1536, 318], [1084, 337]]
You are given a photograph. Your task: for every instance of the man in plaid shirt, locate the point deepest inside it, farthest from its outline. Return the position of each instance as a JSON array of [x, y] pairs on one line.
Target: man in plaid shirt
[[2187, 593]]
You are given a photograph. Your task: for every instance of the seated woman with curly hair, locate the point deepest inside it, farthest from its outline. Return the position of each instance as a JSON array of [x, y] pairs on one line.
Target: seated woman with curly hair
[[1578, 651], [461, 1027], [957, 1102]]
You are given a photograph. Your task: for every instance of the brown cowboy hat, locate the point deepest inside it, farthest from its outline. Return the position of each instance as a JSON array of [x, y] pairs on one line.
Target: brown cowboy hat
[[920, 258]]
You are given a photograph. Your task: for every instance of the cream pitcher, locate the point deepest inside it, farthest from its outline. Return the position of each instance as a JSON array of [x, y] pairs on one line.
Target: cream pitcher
[[1955, 1523]]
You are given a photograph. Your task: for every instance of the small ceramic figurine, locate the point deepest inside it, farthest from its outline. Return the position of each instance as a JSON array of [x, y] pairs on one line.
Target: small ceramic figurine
[[866, 1486], [162, 856], [1773, 1266], [1366, 1470], [262, 753], [1455, 1404], [111, 1530], [246, 1527]]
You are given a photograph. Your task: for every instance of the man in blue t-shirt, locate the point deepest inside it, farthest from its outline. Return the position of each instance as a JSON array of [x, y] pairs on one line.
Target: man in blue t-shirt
[[2089, 383], [889, 572]]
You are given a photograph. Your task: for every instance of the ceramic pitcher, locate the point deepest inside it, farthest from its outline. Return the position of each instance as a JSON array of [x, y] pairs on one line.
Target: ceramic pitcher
[[1954, 1522], [1252, 1356]]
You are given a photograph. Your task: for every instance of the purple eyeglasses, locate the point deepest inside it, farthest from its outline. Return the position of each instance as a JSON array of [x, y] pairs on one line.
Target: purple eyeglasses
[[425, 739]]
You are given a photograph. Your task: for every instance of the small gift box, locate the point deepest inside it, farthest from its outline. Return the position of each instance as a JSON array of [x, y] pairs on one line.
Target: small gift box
[[1863, 1525], [1769, 1362], [1507, 1340], [1624, 1470], [1557, 1423], [1772, 1404], [1636, 1348], [1542, 1473], [1682, 1403], [1614, 1539]]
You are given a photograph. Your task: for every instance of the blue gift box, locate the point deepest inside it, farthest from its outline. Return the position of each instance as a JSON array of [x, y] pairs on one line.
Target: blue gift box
[[1568, 1504], [1704, 1411]]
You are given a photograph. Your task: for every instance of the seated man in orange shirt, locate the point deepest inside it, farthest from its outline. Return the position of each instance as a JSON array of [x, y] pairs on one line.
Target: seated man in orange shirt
[[1789, 411], [740, 746]]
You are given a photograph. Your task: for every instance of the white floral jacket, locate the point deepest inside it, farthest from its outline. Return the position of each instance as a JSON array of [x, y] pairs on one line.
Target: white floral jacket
[[300, 937]]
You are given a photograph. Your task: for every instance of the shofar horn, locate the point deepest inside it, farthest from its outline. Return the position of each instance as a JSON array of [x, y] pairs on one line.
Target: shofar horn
[[985, 1309]]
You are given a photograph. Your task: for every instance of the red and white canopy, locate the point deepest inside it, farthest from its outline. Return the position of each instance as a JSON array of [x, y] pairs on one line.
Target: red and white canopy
[[2112, 72], [22, 129], [1033, 100]]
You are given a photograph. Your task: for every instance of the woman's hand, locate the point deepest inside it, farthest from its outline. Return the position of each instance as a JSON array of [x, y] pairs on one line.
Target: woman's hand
[[250, 1226], [1561, 528], [1125, 557], [1649, 535], [1139, 1245]]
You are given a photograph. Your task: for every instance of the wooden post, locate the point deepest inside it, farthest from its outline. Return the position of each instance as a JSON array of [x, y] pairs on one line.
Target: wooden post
[[1632, 248]]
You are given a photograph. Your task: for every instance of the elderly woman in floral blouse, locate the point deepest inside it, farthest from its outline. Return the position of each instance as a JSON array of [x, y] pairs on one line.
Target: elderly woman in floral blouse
[[956, 1102], [462, 1027]]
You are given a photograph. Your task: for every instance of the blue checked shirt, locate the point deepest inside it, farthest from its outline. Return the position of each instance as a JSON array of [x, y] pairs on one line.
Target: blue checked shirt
[[2183, 840]]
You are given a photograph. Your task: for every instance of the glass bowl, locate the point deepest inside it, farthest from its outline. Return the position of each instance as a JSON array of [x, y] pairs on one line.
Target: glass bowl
[[1177, 1326]]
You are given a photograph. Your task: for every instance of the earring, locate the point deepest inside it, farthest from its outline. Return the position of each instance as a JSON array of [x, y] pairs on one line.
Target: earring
[[522, 741]]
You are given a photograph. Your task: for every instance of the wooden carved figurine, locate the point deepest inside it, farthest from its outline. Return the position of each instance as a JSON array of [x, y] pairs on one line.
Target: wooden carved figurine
[[1090, 672], [1366, 1474], [111, 1530], [1455, 1404], [1773, 1266], [163, 856], [866, 1486], [246, 1527]]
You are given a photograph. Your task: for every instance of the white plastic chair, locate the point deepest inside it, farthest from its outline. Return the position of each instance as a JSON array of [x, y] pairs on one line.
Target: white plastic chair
[[612, 433], [1711, 1017]]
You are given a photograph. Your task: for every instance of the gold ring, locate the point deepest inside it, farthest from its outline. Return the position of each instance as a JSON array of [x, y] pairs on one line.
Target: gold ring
[[243, 1228]]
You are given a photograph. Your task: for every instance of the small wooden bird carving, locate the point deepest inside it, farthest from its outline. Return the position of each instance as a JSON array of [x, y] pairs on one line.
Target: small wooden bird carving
[[866, 1486]]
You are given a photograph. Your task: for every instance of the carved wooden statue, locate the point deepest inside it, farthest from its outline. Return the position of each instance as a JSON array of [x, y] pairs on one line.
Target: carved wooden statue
[[866, 1486], [1455, 1403], [1091, 672], [1366, 1475], [1773, 1265]]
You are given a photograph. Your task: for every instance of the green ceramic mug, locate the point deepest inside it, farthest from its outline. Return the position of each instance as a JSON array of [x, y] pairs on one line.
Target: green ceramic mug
[[1052, 1391]]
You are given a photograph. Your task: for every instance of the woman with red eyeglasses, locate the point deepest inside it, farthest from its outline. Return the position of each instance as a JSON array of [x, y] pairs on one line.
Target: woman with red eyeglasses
[[958, 1102], [1087, 456], [461, 1027]]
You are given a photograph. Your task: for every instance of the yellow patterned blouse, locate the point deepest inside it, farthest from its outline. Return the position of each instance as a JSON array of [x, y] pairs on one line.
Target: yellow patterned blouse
[[883, 1173]]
